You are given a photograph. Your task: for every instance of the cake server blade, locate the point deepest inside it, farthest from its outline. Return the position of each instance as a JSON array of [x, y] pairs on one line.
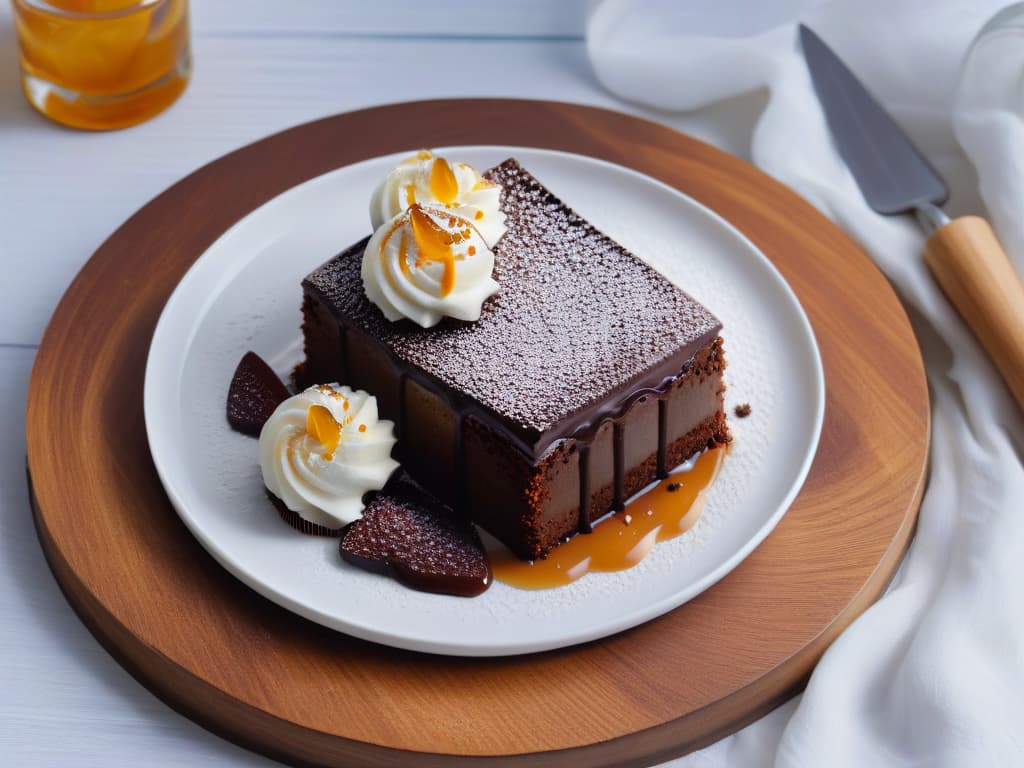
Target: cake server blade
[[964, 255], [891, 173]]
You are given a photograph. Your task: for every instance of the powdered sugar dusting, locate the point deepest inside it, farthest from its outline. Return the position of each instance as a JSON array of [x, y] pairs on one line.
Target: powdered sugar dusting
[[575, 316]]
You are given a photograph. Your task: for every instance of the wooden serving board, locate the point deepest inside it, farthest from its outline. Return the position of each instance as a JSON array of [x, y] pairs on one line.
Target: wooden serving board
[[282, 685]]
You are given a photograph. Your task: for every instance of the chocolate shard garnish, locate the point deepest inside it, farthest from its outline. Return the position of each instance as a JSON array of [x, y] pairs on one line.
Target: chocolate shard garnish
[[421, 542], [254, 393]]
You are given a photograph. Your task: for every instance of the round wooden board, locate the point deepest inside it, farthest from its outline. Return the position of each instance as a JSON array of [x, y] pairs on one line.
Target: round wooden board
[[284, 686]]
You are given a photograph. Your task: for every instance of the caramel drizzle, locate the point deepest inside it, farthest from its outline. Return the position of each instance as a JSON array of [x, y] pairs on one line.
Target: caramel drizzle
[[403, 256], [443, 184], [435, 244], [433, 241], [624, 538], [383, 258], [322, 427]]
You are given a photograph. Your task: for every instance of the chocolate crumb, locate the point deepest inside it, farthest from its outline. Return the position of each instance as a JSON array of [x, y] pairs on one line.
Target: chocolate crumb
[[742, 410], [673, 487]]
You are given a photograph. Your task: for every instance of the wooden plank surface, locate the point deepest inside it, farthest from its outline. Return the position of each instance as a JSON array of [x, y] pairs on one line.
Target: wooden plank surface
[[283, 685]]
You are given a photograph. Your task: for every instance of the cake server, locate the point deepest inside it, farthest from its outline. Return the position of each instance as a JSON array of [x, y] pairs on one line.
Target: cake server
[[964, 255]]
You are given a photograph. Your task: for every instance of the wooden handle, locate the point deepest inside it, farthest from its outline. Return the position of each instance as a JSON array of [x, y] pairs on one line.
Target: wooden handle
[[971, 266]]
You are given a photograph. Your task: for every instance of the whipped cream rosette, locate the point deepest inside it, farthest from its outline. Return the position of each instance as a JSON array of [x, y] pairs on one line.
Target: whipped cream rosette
[[426, 263], [322, 449], [432, 181]]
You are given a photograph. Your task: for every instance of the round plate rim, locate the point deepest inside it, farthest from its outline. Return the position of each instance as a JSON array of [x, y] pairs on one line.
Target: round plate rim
[[154, 412]]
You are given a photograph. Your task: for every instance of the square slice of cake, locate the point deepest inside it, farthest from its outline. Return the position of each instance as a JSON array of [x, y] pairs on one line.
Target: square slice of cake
[[587, 376]]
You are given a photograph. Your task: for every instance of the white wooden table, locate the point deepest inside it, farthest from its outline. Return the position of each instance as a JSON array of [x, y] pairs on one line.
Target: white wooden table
[[259, 66]]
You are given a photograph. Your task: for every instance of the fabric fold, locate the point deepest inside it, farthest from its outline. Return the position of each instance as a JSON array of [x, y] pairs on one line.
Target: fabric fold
[[933, 673]]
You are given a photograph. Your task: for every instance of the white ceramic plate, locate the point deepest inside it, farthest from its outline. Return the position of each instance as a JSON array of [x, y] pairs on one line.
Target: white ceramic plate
[[244, 293]]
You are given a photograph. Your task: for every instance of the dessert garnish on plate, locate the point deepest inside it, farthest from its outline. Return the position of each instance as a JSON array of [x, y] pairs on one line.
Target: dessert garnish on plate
[[322, 450], [406, 532], [427, 263], [430, 255], [254, 393], [433, 181]]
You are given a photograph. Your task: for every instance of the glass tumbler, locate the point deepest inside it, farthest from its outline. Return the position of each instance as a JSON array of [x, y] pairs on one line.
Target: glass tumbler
[[102, 64]]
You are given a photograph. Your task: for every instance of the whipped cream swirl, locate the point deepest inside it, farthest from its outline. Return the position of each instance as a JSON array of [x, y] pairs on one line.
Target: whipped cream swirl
[[322, 449], [433, 181], [426, 263]]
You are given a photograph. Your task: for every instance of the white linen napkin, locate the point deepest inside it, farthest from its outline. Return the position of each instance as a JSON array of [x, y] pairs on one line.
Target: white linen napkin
[[932, 674]]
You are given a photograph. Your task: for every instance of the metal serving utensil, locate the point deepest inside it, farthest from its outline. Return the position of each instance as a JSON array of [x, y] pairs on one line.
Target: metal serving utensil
[[963, 254]]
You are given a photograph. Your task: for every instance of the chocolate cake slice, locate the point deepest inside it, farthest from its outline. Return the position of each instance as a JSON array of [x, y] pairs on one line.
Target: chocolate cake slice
[[587, 376]]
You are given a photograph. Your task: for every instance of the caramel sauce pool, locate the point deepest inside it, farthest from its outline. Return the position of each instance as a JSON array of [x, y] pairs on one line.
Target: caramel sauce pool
[[623, 539]]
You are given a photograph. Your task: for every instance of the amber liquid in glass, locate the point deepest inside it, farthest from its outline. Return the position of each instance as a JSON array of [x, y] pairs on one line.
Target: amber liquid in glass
[[102, 64]]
